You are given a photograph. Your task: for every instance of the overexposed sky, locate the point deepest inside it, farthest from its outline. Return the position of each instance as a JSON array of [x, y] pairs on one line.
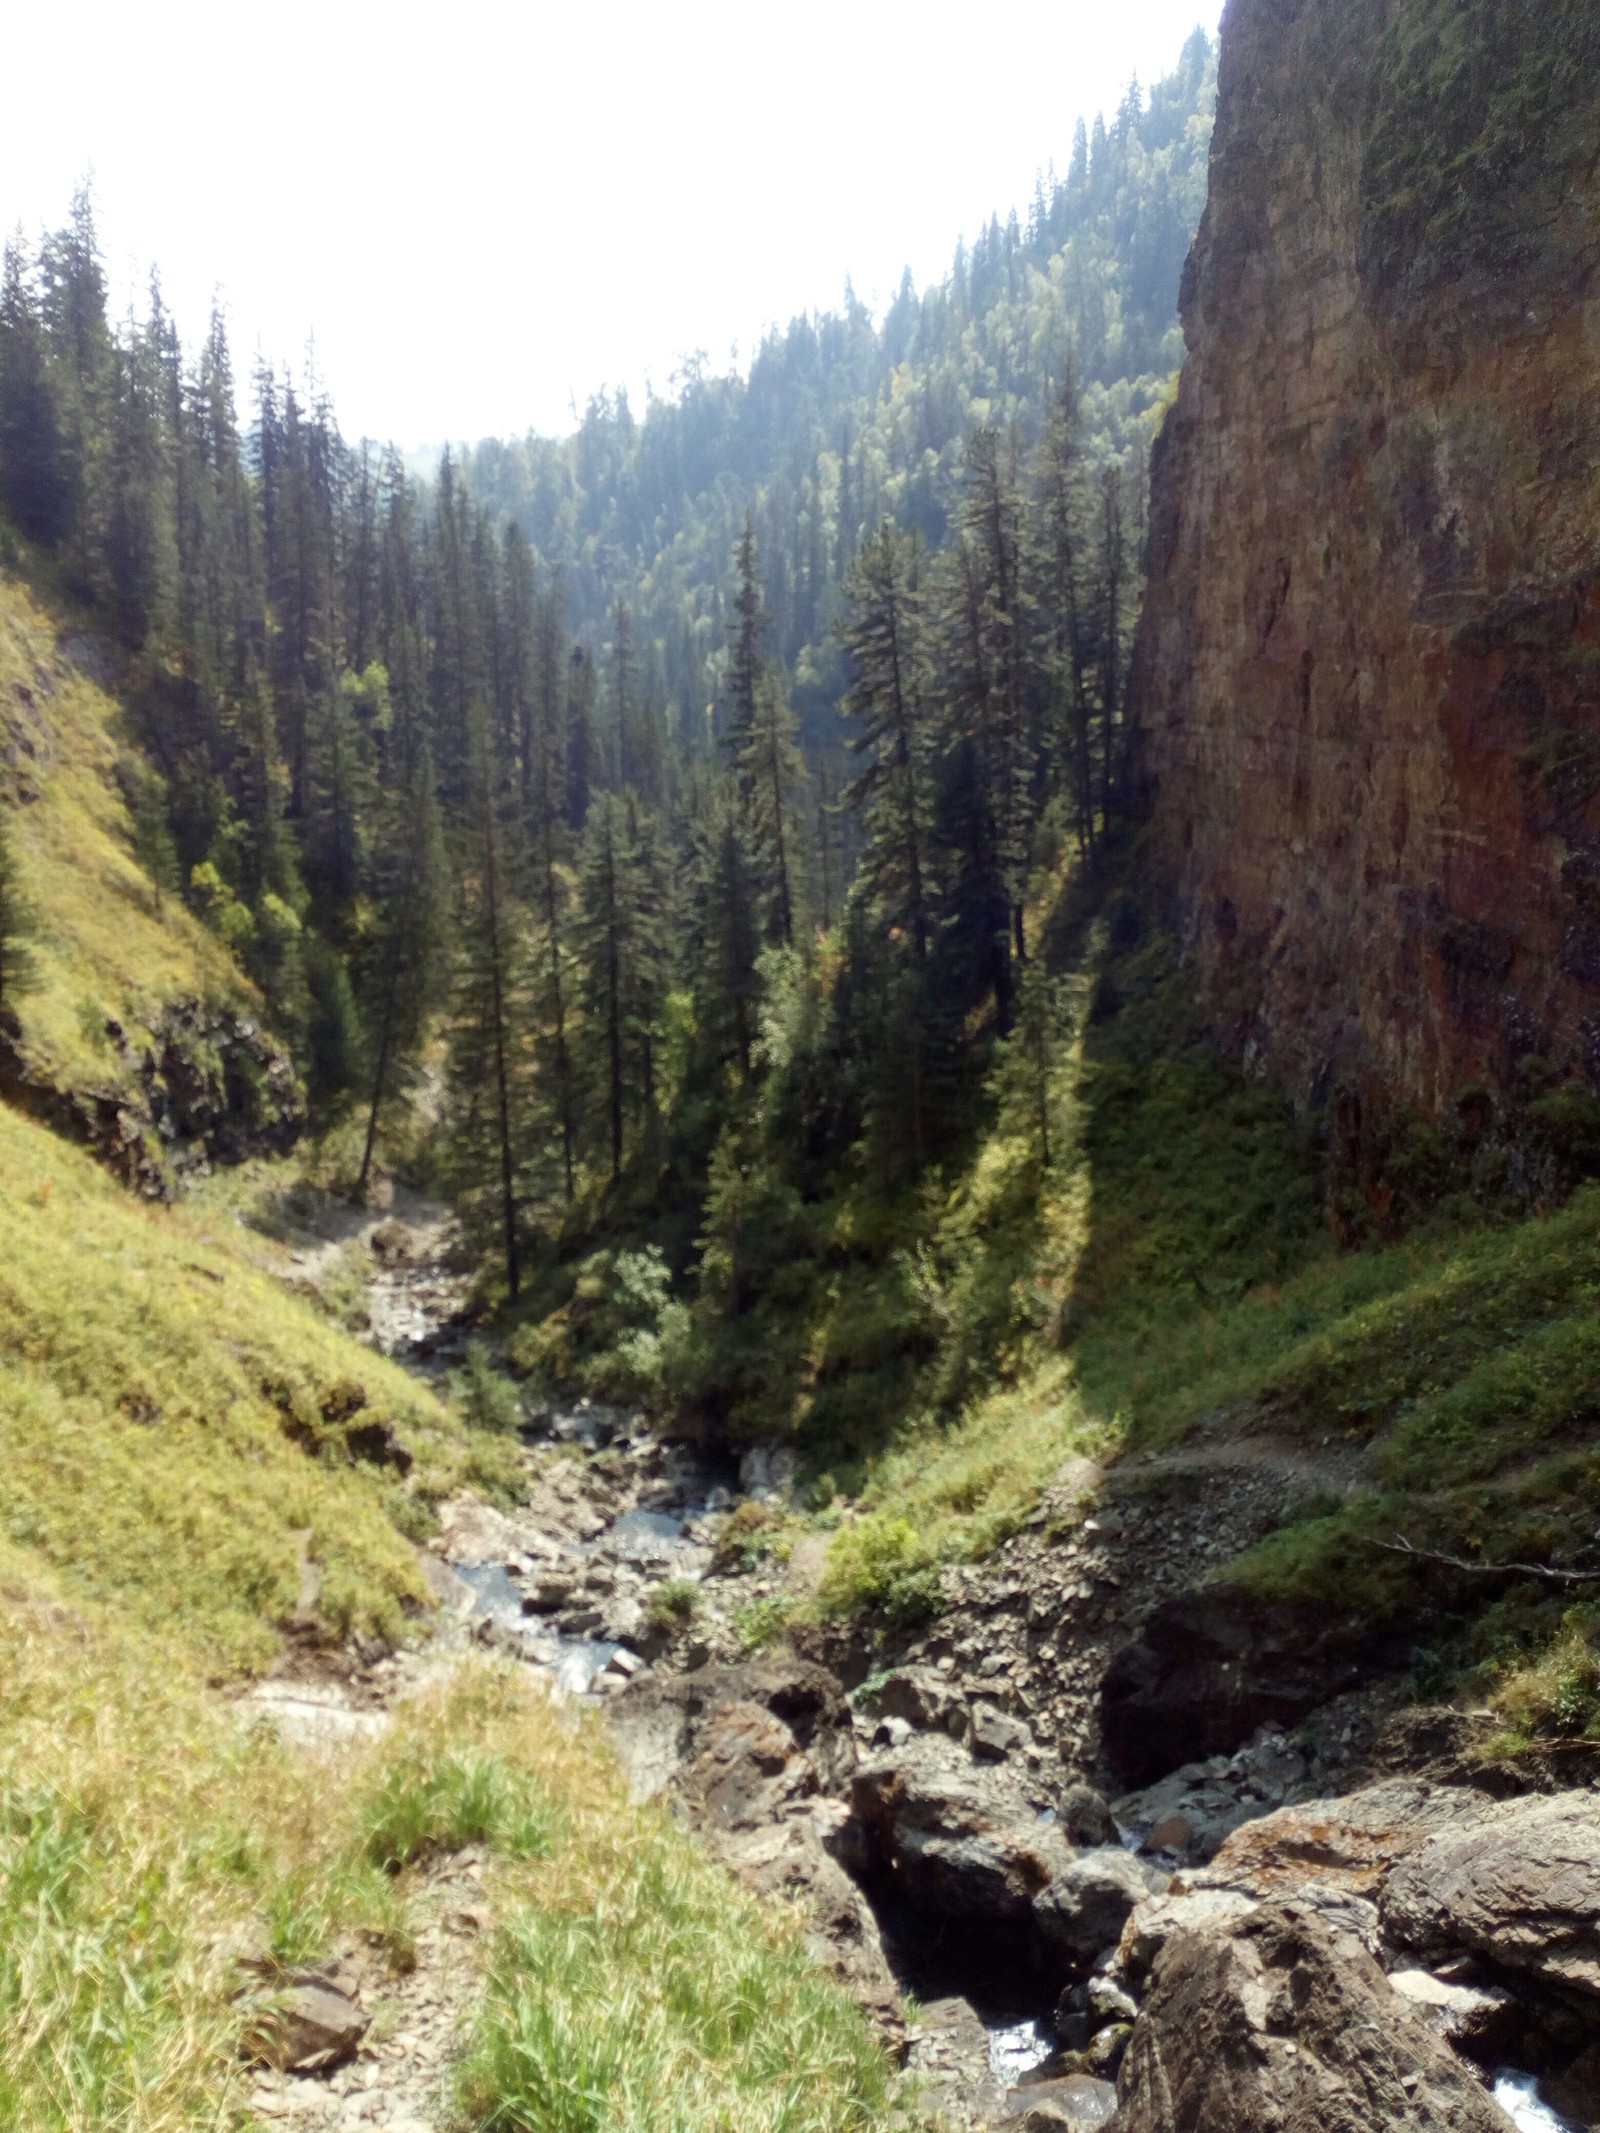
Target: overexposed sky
[[486, 213]]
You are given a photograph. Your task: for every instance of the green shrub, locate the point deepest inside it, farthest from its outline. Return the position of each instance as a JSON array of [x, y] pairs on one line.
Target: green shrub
[[762, 1622], [487, 1398], [881, 1561], [673, 1604], [438, 1801]]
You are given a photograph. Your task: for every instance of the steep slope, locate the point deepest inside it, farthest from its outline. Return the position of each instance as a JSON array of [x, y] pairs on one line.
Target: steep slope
[[1368, 665], [141, 1035]]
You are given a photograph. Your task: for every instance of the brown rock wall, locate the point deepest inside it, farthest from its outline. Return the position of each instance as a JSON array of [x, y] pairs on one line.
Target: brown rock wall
[[1368, 672]]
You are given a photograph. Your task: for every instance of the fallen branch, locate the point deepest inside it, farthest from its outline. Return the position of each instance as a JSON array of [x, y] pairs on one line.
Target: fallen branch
[[1401, 1546]]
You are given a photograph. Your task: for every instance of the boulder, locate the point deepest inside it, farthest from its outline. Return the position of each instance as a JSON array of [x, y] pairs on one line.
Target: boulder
[[789, 1861], [657, 1723], [949, 2059], [1518, 1885], [1089, 1900], [1085, 1817], [306, 2027], [750, 1766], [994, 1736], [949, 1839], [1076, 2101], [923, 1698], [1269, 2023], [1481, 2020]]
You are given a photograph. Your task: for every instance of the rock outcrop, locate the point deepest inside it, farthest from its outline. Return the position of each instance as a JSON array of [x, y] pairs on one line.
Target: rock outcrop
[[1216, 1663], [1270, 2023], [1518, 1886], [1368, 672], [212, 1086]]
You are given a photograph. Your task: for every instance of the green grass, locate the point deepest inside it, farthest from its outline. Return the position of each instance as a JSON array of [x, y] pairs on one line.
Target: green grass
[[145, 1835], [656, 2000], [170, 1432], [110, 944], [1174, 1269]]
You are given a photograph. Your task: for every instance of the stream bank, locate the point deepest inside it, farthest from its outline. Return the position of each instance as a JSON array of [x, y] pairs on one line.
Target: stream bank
[[1088, 1921]]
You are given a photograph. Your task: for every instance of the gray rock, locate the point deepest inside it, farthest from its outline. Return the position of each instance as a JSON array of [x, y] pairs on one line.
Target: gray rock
[[1077, 2101], [1088, 1903], [1519, 1884], [1268, 2023], [1477, 2017], [994, 1736], [1086, 1818], [305, 2028]]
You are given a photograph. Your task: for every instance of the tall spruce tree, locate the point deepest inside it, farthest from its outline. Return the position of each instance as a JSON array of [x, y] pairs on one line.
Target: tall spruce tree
[[403, 973], [491, 1047]]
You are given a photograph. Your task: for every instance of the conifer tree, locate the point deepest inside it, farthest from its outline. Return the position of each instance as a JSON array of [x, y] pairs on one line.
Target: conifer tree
[[727, 934], [888, 702], [620, 954], [548, 833], [1112, 591], [32, 473], [746, 659], [490, 1054], [404, 973], [1067, 599]]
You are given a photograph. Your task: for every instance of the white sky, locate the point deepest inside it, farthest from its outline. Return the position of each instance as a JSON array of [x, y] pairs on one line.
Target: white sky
[[485, 212]]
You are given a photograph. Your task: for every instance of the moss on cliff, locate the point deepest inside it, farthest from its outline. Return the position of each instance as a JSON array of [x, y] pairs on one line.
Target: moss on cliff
[[1477, 112]]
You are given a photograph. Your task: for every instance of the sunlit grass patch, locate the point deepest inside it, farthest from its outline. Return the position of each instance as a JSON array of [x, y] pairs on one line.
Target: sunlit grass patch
[[110, 942], [172, 1424]]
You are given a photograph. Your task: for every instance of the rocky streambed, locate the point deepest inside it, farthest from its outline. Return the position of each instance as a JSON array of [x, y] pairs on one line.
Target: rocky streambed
[[1139, 1857]]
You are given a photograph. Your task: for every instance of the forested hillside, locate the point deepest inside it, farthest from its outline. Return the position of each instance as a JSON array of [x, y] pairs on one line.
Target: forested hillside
[[644, 784], [844, 420]]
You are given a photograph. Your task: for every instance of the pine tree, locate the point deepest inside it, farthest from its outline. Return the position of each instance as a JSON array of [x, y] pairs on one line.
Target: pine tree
[[404, 973], [888, 701], [746, 660], [33, 488], [1112, 595], [548, 834], [893, 791], [491, 1050], [1067, 599], [621, 954], [727, 934], [340, 791]]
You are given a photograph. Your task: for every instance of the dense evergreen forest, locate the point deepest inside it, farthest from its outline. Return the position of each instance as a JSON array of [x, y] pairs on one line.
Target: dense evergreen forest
[[666, 798]]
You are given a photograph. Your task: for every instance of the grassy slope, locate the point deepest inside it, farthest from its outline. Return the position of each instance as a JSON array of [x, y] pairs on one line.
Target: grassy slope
[[163, 1441], [144, 1835], [109, 945], [175, 1494], [1173, 1267]]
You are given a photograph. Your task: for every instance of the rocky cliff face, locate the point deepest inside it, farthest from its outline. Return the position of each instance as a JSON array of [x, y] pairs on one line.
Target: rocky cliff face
[[1369, 668]]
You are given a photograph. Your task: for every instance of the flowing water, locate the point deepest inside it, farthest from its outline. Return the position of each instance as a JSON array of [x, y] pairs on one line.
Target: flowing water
[[1518, 2096]]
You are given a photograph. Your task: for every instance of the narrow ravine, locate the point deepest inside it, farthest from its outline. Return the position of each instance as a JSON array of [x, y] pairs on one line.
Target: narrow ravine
[[941, 1810]]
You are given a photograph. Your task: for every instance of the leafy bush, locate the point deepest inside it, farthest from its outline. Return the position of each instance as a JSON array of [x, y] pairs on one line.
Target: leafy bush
[[1558, 1696], [750, 1534], [881, 1561], [762, 1622], [618, 1338]]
